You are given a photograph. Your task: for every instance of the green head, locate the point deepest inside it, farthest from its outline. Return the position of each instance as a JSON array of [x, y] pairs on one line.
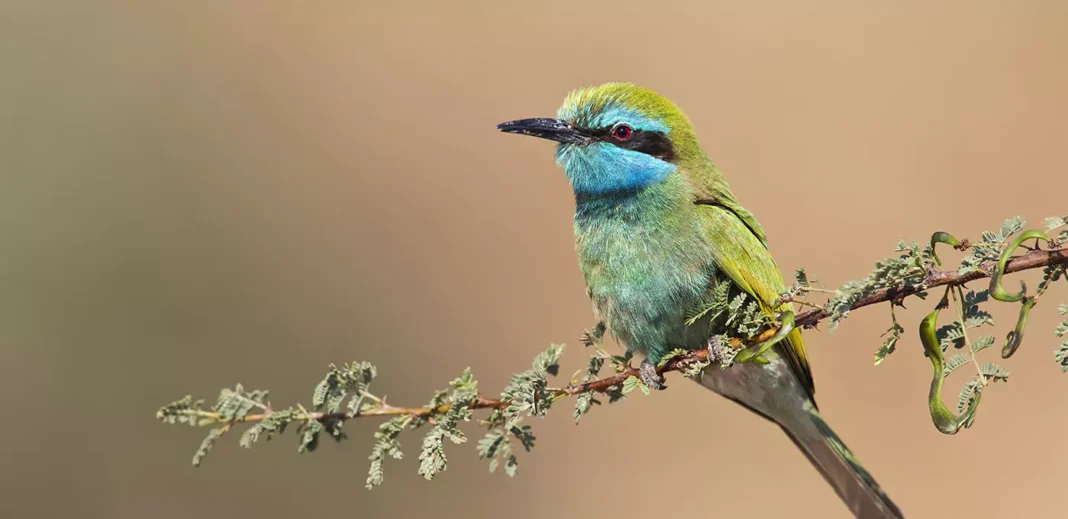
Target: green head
[[615, 138]]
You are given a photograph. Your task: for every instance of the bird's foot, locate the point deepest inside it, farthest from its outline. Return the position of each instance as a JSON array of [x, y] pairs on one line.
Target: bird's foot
[[648, 375], [717, 353]]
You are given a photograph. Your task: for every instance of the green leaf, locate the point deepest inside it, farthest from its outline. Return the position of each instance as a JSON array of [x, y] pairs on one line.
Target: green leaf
[[386, 444], [955, 362], [183, 411], [990, 247], [968, 393], [1011, 226], [620, 363], [1061, 355], [615, 393], [432, 459], [339, 382], [524, 435], [488, 445], [275, 423], [309, 438], [526, 392], [585, 401], [207, 444], [995, 373], [907, 270], [677, 352], [548, 361], [695, 367], [893, 334], [713, 304], [234, 404], [982, 343], [511, 465]]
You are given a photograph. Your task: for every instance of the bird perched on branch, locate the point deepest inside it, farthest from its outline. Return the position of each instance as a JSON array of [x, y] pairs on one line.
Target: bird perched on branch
[[657, 227]]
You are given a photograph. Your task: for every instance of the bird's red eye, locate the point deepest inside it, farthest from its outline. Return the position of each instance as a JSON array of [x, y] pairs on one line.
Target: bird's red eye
[[622, 132]]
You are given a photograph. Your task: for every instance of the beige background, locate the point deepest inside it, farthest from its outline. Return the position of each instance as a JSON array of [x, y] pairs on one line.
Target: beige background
[[211, 192]]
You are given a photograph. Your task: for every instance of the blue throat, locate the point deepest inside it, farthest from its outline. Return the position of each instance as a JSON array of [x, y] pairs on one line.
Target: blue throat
[[602, 168]]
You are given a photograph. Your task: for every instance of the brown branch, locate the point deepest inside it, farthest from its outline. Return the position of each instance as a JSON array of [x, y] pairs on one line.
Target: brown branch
[[936, 278], [933, 278]]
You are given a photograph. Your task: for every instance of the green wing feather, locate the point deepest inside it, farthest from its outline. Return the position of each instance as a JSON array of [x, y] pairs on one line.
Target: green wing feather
[[740, 251]]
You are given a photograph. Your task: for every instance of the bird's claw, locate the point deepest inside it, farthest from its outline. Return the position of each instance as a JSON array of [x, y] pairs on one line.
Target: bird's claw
[[648, 375], [716, 354]]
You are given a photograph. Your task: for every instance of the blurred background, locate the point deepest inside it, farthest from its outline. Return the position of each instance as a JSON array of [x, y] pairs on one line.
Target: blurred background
[[201, 193]]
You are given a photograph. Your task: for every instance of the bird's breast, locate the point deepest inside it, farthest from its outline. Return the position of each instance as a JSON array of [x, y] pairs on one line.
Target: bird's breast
[[643, 274]]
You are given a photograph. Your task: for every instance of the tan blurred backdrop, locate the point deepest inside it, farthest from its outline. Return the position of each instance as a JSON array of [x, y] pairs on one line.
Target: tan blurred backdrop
[[211, 192]]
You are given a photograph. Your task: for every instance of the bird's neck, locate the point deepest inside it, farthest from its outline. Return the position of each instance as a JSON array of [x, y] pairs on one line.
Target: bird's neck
[[649, 205], [651, 220]]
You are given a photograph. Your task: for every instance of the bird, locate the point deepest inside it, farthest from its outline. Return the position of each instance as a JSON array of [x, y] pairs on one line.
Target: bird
[[657, 227]]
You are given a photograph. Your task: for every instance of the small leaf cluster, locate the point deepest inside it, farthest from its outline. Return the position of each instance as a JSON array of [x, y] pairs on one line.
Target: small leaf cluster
[[906, 270], [692, 367], [990, 246], [432, 458], [892, 334], [232, 405], [991, 373], [728, 310], [527, 395], [586, 400], [329, 394], [974, 316], [386, 444]]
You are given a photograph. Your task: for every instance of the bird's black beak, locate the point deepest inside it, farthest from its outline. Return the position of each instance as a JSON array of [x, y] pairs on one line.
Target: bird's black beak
[[552, 129]]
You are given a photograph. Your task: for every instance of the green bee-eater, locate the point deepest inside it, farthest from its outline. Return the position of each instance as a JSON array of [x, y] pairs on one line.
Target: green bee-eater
[[656, 225]]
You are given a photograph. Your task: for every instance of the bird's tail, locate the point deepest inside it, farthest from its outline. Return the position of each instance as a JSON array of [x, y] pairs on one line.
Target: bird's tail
[[775, 393], [840, 468]]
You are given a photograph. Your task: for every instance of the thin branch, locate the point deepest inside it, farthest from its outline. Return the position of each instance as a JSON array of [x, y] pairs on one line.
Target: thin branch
[[936, 278], [933, 278]]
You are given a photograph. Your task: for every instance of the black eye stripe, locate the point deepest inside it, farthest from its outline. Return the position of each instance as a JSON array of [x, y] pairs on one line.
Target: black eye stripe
[[650, 143]]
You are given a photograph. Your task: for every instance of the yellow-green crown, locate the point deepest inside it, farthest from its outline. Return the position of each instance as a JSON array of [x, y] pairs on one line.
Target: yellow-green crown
[[600, 107]]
